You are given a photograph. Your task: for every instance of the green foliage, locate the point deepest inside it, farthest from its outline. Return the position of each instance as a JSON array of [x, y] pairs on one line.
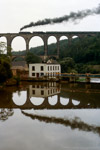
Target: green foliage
[[17, 78], [84, 68], [37, 50], [18, 59], [31, 58], [67, 65], [19, 53], [5, 71]]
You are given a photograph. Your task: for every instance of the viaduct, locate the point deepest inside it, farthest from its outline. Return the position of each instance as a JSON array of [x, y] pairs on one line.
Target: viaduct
[[44, 36]]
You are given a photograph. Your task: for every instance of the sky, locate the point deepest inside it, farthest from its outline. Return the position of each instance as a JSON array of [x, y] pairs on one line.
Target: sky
[[15, 14]]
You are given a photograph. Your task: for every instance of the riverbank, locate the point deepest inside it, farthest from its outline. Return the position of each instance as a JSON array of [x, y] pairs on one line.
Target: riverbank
[[17, 81], [10, 82]]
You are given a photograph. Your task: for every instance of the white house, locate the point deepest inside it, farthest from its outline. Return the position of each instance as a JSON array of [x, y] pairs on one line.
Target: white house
[[51, 69]]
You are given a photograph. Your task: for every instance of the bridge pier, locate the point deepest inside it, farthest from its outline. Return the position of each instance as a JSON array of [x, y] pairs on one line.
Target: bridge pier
[[69, 40], [72, 79], [9, 48], [27, 46], [45, 46], [87, 79], [58, 47]]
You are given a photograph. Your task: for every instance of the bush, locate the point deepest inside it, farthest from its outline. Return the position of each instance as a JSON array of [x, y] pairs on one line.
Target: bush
[[5, 70]]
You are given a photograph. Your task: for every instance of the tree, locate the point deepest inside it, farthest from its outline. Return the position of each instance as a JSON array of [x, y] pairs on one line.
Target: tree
[[31, 58], [67, 65], [5, 70]]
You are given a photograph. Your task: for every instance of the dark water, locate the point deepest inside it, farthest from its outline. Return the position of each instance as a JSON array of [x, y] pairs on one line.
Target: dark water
[[50, 116]]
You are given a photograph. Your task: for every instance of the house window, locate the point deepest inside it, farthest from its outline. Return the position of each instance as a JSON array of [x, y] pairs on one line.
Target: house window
[[42, 92], [48, 68], [42, 68], [37, 86], [51, 91], [33, 86], [42, 74], [48, 92], [53, 67], [33, 92], [53, 74], [58, 67], [33, 74], [33, 68]]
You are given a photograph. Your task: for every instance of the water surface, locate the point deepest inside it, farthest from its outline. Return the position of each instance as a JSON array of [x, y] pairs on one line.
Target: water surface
[[50, 116]]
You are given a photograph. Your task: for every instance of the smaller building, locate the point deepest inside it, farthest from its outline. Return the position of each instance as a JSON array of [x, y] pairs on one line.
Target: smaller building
[[21, 65], [20, 68], [51, 69]]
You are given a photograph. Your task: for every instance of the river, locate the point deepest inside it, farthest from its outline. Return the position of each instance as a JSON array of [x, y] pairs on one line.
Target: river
[[50, 116]]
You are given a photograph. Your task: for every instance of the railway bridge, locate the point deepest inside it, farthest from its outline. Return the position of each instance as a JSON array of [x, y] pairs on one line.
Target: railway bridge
[[44, 36]]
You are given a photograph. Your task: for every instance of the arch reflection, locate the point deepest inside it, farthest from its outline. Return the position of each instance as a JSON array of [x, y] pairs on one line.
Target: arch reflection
[[75, 102], [52, 100], [36, 101], [19, 98], [64, 101]]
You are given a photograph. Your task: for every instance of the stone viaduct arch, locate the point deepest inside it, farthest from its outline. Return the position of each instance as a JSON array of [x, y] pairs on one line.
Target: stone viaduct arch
[[44, 36]]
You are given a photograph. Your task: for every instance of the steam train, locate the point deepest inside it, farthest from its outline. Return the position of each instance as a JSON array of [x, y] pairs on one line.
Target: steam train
[[39, 32]]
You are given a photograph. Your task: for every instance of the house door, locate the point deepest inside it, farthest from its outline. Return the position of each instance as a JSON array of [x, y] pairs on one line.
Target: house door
[[37, 75]]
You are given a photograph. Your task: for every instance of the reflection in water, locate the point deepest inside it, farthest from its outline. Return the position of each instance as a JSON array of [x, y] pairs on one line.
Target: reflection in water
[[64, 101], [39, 92], [51, 96], [70, 126], [5, 113], [36, 101], [19, 98], [75, 102], [74, 123], [52, 100], [44, 90], [95, 80]]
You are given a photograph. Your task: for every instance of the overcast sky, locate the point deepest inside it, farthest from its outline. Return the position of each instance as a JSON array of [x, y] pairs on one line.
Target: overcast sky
[[14, 14]]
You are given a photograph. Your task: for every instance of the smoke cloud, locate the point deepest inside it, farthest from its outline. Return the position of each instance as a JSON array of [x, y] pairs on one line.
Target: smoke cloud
[[72, 16]]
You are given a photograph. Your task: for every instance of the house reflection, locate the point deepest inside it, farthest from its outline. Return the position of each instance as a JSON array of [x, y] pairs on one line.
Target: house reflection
[[40, 90], [39, 93]]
